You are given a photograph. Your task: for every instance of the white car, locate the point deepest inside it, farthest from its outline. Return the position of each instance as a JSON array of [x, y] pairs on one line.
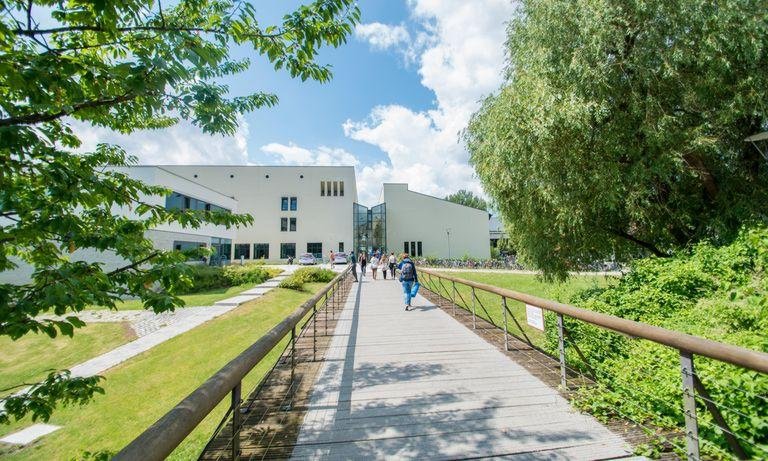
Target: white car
[[340, 258], [307, 259]]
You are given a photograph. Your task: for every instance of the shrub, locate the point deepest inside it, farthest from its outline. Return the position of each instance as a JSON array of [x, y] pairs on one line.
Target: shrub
[[713, 292], [307, 275], [210, 277]]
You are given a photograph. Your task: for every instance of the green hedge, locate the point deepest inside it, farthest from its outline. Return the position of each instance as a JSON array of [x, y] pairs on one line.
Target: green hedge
[[713, 292], [307, 275], [210, 277]]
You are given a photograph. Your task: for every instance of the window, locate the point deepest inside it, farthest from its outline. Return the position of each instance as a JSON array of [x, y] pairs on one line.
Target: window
[[294, 203], [341, 188], [261, 251], [405, 247], [242, 250], [322, 188], [284, 203], [177, 201], [341, 247], [316, 249], [418, 248], [287, 250], [179, 245], [328, 188], [413, 248], [335, 188], [293, 224], [283, 224]]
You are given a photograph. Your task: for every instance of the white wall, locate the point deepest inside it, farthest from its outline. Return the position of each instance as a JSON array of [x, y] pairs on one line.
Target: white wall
[[412, 216], [327, 220]]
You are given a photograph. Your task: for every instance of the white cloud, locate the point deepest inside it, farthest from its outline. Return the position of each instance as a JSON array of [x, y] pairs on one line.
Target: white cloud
[[382, 36], [181, 144], [460, 58], [291, 154]]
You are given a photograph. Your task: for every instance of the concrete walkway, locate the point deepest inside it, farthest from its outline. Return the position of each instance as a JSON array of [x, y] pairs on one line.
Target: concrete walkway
[[419, 385]]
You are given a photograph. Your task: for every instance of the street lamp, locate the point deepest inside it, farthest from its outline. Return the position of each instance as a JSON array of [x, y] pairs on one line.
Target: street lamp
[[448, 233]]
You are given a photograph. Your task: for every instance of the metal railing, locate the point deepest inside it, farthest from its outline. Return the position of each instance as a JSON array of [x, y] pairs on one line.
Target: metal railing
[[687, 347], [160, 439]]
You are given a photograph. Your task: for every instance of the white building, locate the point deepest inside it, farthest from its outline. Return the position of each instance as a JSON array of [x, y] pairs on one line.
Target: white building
[[298, 209]]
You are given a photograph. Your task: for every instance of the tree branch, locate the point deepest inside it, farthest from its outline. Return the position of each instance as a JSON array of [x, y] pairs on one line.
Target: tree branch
[[29, 32], [648, 246], [32, 119]]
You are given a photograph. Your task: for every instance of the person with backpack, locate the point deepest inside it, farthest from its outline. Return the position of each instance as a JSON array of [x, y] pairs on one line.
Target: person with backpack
[[408, 277]]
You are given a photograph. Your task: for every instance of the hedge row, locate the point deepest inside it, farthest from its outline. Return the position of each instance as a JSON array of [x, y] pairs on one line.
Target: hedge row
[[210, 277], [307, 275]]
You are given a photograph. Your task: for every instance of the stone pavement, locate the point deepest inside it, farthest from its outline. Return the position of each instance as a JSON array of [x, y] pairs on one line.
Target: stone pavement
[[420, 385]]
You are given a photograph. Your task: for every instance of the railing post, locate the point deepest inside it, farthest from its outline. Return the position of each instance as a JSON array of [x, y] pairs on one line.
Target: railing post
[[325, 316], [504, 312], [561, 350], [453, 299], [314, 333], [474, 321], [293, 354], [689, 405], [236, 421]]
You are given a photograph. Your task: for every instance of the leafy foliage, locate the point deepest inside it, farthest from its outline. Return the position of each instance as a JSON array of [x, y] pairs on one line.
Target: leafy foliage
[[620, 128], [713, 292], [208, 277], [467, 198], [307, 275], [124, 65]]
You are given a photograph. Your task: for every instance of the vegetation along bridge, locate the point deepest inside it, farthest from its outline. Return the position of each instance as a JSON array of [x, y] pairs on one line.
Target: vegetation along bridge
[[464, 375]]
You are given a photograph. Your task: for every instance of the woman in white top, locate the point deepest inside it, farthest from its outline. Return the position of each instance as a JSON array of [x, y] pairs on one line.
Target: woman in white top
[[374, 265]]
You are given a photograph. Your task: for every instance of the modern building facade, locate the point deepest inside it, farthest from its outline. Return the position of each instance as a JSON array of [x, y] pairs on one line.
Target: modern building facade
[[298, 209]]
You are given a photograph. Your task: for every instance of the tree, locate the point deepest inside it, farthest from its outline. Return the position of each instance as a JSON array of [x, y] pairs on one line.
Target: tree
[[124, 65], [468, 198], [620, 128]]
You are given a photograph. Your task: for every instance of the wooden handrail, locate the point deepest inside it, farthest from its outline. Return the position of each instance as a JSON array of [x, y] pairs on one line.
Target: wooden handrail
[[161, 438], [754, 360]]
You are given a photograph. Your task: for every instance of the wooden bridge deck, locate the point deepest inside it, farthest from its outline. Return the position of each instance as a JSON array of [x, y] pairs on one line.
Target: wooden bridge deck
[[420, 385]]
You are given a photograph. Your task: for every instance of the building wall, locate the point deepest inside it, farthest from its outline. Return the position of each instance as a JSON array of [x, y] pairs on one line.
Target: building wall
[[163, 236], [415, 217], [258, 191]]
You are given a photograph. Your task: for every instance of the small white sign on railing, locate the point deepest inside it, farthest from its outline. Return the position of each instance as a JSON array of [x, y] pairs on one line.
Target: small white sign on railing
[[535, 316]]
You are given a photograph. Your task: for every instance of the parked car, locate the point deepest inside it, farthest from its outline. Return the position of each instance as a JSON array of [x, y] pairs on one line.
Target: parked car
[[340, 258], [307, 259]]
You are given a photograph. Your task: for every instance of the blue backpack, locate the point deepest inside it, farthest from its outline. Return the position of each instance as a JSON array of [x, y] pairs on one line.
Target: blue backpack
[[408, 272]]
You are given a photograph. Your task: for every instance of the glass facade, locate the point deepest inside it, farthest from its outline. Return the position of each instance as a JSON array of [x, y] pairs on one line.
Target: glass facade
[[222, 250], [177, 201], [369, 228]]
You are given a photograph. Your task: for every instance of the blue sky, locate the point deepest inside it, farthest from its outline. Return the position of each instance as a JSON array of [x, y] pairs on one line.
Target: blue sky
[[404, 86]]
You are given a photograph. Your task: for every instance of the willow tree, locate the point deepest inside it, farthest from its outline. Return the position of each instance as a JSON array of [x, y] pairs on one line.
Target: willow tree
[[620, 127], [125, 65]]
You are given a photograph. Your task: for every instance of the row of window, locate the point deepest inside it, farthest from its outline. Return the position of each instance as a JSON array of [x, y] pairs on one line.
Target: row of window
[[414, 250], [261, 250], [287, 223], [284, 203], [332, 188], [177, 201]]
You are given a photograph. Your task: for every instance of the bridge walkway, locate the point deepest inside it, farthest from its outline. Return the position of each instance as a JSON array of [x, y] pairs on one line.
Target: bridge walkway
[[421, 385]]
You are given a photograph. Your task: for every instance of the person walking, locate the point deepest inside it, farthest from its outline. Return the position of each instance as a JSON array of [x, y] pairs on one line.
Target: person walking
[[363, 261], [408, 277], [392, 261], [353, 262], [331, 259], [374, 265]]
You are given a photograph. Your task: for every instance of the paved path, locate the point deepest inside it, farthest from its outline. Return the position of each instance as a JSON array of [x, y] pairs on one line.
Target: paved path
[[420, 385]]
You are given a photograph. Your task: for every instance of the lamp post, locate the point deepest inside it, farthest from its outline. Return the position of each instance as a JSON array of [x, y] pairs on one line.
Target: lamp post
[[448, 233]]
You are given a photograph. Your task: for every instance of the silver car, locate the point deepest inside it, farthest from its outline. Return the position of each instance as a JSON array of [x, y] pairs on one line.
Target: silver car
[[306, 259], [340, 258]]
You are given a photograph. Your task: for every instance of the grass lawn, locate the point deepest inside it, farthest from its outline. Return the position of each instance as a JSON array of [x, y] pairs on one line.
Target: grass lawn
[[31, 358], [203, 298], [524, 283], [141, 390]]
